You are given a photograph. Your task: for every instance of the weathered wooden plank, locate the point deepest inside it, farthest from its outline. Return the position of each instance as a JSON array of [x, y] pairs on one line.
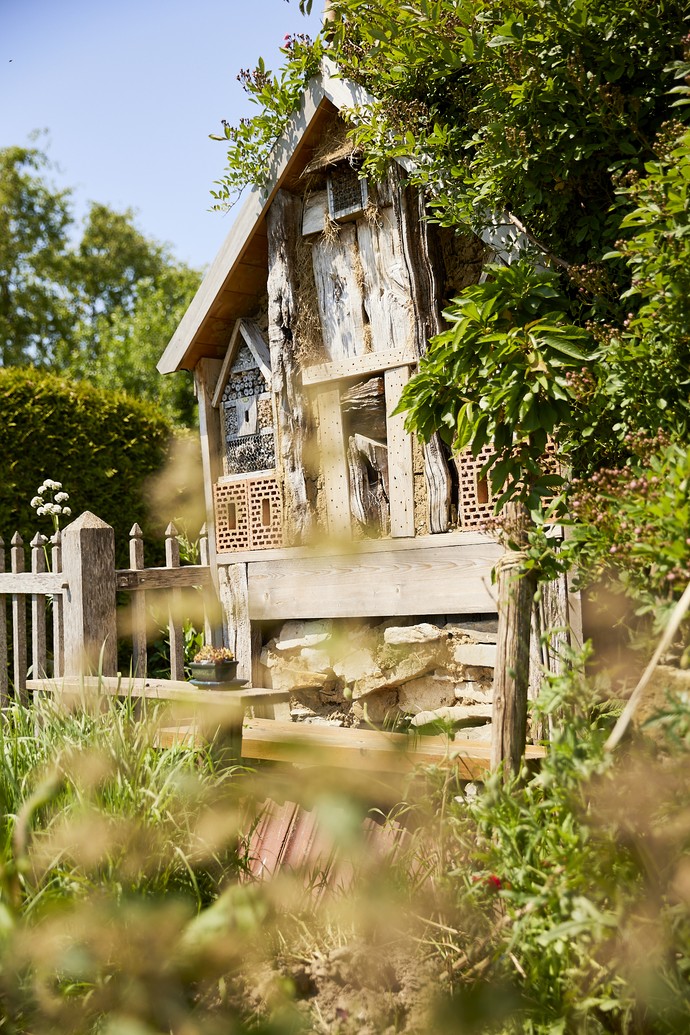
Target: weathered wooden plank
[[20, 664], [234, 599], [370, 750], [400, 465], [4, 670], [26, 582], [225, 368], [205, 379], [58, 609], [172, 562], [38, 609], [333, 462], [369, 363], [429, 581], [339, 282], [290, 404], [137, 603], [252, 335], [164, 578], [387, 287], [471, 537]]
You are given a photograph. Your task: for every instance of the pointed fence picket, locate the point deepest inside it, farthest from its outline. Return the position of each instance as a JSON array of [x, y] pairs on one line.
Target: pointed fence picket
[[74, 619]]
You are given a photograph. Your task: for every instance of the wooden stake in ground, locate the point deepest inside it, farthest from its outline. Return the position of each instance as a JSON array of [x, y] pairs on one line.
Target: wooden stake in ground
[[511, 677]]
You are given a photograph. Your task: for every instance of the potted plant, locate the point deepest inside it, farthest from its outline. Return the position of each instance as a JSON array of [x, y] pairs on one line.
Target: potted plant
[[213, 665]]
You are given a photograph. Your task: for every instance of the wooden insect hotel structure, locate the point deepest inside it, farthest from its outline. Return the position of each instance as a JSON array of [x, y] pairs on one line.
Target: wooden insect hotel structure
[[349, 557]]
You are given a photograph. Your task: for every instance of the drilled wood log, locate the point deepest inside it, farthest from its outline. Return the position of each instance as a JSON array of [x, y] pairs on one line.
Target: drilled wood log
[[283, 225], [368, 466]]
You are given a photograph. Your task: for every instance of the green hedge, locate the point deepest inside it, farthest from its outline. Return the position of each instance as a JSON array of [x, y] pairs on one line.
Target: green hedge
[[102, 446]]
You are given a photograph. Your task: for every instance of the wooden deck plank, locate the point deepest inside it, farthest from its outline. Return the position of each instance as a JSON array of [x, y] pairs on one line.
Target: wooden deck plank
[[429, 581]]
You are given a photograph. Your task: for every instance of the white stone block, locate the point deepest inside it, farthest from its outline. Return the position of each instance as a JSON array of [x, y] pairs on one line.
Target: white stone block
[[422, 633], [358, 664], [297, 634], [426, 693], [476, 655]]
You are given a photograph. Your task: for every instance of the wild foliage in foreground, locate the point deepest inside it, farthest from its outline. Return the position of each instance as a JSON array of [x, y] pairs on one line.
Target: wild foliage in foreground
[[558, 904]]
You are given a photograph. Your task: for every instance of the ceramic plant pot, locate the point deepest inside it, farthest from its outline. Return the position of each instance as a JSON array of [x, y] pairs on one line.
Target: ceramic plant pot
[[213, 671]]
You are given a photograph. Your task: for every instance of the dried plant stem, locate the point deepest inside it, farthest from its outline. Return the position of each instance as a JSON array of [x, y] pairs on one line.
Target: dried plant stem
[[670, 631]]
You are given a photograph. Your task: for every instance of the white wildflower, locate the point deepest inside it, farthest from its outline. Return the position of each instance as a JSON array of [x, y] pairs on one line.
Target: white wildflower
[[41, 511], [60, 497], [36, 501], [66, 511]]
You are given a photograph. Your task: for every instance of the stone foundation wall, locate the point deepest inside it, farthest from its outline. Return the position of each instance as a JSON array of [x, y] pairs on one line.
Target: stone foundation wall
[[353, 672]]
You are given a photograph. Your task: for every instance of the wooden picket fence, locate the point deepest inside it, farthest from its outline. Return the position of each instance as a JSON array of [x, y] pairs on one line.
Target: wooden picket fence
[[62, 603]]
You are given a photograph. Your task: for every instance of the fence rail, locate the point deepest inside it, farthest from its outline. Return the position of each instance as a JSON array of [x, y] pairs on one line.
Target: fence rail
[[59, 619]]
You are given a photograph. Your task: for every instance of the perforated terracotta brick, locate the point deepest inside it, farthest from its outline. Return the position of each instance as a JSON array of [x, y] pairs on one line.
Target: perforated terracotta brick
[[265, 513], [232, 516], [249, 514], [475, 498]]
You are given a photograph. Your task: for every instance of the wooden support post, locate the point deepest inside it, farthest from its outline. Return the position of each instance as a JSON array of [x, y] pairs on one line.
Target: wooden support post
[[88, 564], [58, 610], [511, 676], [205, 379], [234, 596], [400, 467], [138, 604], [211, 631], [172, 560], [19, 623], [333, 464], [4, 674], [38, 609]]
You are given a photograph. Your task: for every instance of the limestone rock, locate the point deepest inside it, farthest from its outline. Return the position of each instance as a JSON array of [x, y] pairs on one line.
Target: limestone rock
[[473, 692], [376, 707], [414, 665], [357, 664], [291, 678], [315, 660], [480, 631], [297, 634], [474, 732], [467, 714], [476, 655], [423, 633], [426, 693]]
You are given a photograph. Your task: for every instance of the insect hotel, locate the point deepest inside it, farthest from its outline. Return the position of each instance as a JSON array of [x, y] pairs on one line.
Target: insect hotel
[[349, 557]]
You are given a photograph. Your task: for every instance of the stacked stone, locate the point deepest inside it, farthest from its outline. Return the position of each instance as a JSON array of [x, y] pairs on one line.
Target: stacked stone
[[378, 673]]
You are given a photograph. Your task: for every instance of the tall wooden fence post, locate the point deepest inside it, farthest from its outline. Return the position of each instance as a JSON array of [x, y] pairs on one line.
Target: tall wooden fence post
[[88, 564], [511, 676]]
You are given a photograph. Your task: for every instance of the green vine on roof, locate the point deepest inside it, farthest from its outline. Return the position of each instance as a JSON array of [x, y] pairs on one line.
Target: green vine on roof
[[252, 140]]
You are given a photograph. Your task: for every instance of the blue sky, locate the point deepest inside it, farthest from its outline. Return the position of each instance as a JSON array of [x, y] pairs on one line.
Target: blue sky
[[129, 91]]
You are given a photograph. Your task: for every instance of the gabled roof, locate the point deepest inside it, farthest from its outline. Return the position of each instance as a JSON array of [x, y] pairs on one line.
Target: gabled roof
[[237, 276]]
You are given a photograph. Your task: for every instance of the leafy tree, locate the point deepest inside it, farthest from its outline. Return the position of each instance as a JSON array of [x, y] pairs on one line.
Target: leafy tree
[[35, 220], [101, 309]]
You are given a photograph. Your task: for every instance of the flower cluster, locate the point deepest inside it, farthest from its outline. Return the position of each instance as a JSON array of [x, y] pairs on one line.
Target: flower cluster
[[50, 501], [211, 653]]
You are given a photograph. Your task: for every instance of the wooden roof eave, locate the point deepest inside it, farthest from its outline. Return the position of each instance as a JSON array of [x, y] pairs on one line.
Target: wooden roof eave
[[324, 91]]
